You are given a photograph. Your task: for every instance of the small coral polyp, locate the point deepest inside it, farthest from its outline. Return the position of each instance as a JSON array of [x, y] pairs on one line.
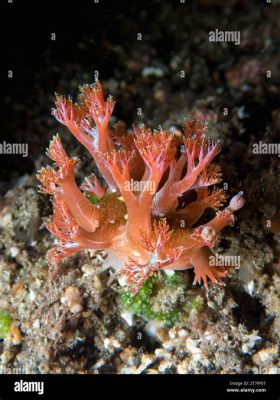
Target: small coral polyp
[[146, 227]]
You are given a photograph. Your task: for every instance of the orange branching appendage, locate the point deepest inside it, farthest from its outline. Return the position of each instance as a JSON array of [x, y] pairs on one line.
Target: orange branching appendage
[[156, 186]]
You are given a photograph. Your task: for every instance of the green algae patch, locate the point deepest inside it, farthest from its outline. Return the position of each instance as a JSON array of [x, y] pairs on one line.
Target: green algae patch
[[5, 323], [92, 199], [163, 297]]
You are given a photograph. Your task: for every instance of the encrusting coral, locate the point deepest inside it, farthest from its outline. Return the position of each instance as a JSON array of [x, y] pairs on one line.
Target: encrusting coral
[[155, 187]]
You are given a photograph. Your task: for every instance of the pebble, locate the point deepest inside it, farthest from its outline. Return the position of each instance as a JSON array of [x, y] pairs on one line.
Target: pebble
[[152, 71], [5, 219], [111, 344], [128, 317], [153, 329], [147, 359], [36, 324], [14, 251], [89, 269], [15, 335], [97, 283], [72, 298], [265, 356], [182, 367], [17, 288]]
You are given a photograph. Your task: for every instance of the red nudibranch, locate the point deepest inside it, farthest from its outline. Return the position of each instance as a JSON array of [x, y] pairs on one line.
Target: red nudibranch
[[154, 187]]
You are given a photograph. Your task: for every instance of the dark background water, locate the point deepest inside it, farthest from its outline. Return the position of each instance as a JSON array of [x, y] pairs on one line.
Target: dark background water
[[102, 36]]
